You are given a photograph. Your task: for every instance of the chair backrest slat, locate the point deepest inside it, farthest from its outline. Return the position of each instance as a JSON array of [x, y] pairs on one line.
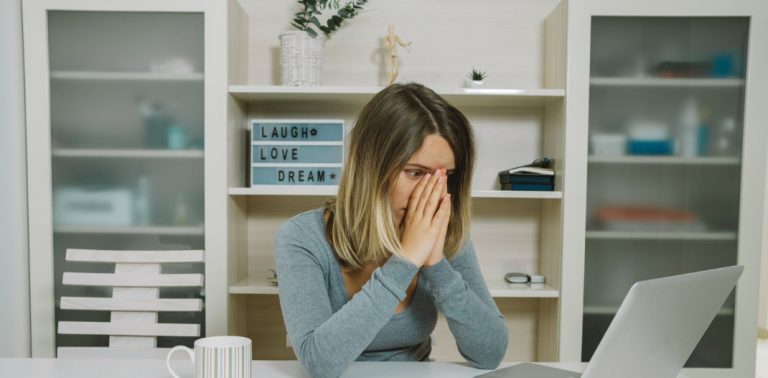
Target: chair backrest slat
[[128, 329], [124, 304], [134, 257], [133, 280]]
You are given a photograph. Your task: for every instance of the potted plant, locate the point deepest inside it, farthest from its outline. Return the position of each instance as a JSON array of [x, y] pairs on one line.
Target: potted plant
[[301, 50], [476, 78]]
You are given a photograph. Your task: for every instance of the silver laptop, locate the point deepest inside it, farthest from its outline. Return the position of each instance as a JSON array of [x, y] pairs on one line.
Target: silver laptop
[[655, 330]]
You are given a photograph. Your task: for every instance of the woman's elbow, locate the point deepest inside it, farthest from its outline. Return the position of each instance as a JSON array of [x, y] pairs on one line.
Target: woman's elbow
[[494, 352], [318, 363]]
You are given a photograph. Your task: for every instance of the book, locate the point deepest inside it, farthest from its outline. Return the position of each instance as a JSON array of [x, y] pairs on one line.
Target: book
[[538, 167], [526, 179], [531, 187]]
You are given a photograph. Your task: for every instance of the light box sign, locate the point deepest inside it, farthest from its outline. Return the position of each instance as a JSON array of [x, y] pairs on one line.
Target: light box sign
[[296, 152]]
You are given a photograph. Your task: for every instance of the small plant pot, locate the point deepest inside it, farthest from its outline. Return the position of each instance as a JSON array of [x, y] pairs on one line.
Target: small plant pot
[[475, 84]]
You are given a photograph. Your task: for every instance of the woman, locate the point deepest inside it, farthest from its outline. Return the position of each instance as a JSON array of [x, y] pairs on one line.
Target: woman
[[363, 278]]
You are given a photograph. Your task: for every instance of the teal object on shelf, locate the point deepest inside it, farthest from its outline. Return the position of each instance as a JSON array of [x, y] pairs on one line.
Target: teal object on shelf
[[650, 147], [177, 137]]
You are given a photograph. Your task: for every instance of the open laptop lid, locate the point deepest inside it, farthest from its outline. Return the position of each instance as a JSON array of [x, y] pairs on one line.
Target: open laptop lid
[[644, 341]]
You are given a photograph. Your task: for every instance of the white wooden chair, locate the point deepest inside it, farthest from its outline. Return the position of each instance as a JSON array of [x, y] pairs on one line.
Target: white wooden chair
[[135, 303]]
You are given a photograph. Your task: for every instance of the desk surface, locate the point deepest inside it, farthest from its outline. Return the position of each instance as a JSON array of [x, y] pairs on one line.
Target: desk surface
[[146, 368]]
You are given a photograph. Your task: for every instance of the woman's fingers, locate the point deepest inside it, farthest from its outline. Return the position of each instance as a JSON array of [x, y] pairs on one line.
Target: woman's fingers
[[425, 194], [433, 197], [443, 216], [413, 201], [444, 212]]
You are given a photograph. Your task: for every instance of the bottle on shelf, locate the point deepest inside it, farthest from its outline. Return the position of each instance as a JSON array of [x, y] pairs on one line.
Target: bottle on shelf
[[704, 133], [688, 129], [156, 123], [181, 214], [142, 201]]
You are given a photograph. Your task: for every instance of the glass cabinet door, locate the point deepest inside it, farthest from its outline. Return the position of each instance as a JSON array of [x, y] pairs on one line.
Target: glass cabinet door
[[666, 104], [126, 95]]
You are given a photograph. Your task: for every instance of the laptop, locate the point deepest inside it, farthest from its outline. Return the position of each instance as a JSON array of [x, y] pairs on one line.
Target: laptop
[[655, 330]]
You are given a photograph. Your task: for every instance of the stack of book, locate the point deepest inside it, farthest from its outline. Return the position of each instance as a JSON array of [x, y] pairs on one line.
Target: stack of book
[[537, 176]]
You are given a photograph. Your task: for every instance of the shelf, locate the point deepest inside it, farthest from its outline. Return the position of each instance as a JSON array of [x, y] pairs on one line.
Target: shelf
[[665, 160], [501, 289], [498, 289], [330, 190], [131, 230], [522, 194], [644, 235], [361, 95], [285, 190], [611, 310], [125, 76], [126, 153], [666, 82], [252, 285]]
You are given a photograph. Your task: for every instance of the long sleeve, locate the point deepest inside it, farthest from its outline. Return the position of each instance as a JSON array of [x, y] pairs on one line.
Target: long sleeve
[[327, 342], [461, 294]]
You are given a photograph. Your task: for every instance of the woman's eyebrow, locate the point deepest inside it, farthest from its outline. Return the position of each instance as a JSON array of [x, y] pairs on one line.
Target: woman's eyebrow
[[424, 167]]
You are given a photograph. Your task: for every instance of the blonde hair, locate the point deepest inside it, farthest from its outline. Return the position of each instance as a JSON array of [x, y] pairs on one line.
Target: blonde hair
[[389, 130]]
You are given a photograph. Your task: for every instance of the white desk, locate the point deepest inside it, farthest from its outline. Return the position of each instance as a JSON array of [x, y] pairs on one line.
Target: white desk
[[145, 368]]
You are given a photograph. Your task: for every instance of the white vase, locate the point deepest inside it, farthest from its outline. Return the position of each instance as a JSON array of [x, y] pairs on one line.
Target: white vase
[[301, 58]]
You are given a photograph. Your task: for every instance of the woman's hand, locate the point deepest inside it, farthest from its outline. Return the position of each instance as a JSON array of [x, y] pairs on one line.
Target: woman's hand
[[437, 251], [428, 213]]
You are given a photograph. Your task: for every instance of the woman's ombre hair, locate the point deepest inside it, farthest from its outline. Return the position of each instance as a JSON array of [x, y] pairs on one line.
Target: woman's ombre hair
[[389, 130]]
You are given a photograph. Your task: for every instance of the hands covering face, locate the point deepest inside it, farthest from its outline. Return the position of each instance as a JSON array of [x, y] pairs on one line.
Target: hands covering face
[[425, 225]]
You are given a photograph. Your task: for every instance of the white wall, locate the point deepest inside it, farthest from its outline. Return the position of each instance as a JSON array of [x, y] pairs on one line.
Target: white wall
[[14, 267]]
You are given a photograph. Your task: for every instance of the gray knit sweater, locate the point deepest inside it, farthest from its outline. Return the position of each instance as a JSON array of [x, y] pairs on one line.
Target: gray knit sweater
[[328, 329]]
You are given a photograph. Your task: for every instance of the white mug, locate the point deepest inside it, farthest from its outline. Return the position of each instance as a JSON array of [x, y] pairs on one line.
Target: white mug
[[218, 357]]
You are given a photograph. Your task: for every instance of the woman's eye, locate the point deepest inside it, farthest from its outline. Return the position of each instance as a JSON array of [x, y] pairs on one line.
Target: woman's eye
[[413, 173]]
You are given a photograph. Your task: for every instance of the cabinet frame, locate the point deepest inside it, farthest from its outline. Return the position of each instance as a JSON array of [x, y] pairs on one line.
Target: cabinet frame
[[37, 97], [752, 194]]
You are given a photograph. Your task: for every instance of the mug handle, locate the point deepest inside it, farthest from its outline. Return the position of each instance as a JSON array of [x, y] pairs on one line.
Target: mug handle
[[190, 352]]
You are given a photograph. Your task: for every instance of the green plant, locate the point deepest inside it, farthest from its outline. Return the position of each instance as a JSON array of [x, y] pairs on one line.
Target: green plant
[[306, 20], [477, 75]]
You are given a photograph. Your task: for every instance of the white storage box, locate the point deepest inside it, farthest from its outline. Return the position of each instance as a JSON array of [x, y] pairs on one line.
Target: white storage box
[[609, 144], [104, 207]]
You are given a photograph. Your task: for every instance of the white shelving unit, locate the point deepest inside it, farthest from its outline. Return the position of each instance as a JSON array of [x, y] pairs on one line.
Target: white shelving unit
[[611, 310], [131, 230], [498, 289], [361, 95], [647, 235], [330, 190], [666, 82], [126, 153], [618, 45], [501, 289], [87, 74], [665, 160], [519, 118], [125, 76]]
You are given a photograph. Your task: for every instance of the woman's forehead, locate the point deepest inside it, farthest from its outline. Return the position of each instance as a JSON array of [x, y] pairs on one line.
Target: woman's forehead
[[434, 153]]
